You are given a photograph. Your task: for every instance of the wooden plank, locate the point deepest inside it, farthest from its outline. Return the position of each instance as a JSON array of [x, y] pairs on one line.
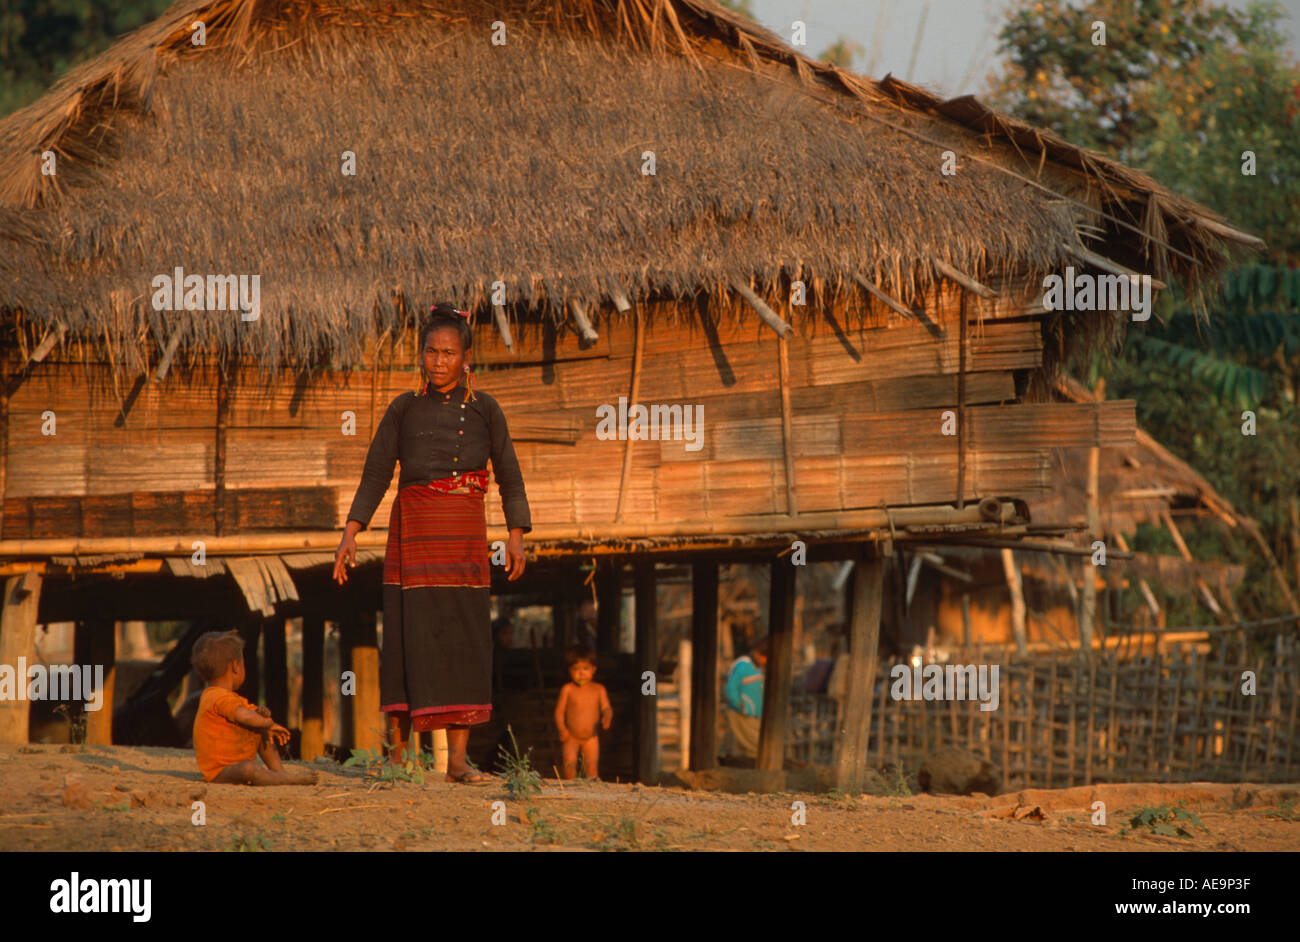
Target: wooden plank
[[313, 687], [778, 680], [95, 644], [647, 659], [18, 640], [864, 639], [704, 674]]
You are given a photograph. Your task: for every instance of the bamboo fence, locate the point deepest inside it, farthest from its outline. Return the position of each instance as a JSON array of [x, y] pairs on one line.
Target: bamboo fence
[[1068, 718]]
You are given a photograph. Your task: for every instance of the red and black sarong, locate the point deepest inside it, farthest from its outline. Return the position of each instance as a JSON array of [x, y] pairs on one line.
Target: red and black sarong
[[436, 662]]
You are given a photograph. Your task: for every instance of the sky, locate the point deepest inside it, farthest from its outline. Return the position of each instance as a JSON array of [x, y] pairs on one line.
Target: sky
[[958, 46]]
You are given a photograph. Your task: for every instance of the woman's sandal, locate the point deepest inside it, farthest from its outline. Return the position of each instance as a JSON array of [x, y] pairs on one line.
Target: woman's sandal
[[468, 778]]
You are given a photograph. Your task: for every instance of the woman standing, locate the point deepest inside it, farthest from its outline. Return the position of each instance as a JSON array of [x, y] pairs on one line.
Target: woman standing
[[436, 665]]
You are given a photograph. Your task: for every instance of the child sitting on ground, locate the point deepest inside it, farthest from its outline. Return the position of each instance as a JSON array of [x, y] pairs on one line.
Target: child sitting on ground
[[229, 732], [581, 705]]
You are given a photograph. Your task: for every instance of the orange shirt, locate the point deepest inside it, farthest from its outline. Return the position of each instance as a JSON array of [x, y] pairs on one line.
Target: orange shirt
[[218, 740]]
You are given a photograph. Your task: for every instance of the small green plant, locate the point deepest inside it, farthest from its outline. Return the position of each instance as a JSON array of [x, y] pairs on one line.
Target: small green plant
[[76, 724], [1165, 821], [243, 845], [542, 831], [278, 818], [896, 784], [120, 806], [374, 762], [1287, 811], [521, 778]]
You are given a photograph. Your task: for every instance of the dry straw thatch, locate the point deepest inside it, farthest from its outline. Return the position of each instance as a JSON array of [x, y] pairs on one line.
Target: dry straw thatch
[[519, 163]]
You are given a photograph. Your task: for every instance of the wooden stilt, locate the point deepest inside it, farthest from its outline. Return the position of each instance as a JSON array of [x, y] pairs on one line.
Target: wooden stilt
[[277, 669], [18, 639], [684, 671], [368, 727], [647, 659], [313, 687], [95, 644], [250, 629], [704, 666], [780, 661], [609, 605], [864, 637]]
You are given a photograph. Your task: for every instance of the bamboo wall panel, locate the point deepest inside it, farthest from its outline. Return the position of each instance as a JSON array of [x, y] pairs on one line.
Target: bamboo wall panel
[[1065, 720]]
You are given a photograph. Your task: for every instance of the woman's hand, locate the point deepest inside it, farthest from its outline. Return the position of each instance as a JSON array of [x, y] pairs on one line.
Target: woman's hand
[[515, 555], [346, 555]]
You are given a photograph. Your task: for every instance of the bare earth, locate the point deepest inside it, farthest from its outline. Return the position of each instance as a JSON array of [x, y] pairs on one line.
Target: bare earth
[[124, 798]]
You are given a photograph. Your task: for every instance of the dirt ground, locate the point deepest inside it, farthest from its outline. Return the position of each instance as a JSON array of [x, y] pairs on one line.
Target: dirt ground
[[124, 798]]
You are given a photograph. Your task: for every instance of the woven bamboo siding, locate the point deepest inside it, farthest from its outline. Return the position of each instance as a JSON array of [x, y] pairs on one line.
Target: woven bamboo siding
[[1063, 721], [867, 403]]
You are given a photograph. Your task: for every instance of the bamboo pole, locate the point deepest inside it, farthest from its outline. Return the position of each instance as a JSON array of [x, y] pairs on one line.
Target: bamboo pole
[[503, 326], [965, 280], [770, 317], [1088, 604], [635, 391], [1206, 594], [1012, 572], [169, 352], [883, 298], [585, 330], [918, 516], [787, 427], [18, 608], [1105, 264], [1253, 529], [1142, 583]]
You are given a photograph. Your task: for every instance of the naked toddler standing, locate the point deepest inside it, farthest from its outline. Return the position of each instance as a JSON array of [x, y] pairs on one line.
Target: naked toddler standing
[[582, 704]]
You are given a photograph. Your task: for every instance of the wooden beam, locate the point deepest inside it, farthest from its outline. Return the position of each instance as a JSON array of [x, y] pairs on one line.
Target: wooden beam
[[219, 457], [633, 393], [251, 543], [609, 605], [313, 687], [770, 317], [647, 659], [864, 641], [1227, 232], [52, 337], [1105, 264], [787, 426], [585, 330], [895, 306], [963, 353], [1206, 595], [1088, 605], [619, 298], [503, 325], [704, 665], [966, 281], [250, 629], [95, 644], [1145, 588], [778, 680], [22, 595]]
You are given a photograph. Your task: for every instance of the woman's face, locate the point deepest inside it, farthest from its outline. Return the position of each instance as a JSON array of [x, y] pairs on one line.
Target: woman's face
[[443, 357]]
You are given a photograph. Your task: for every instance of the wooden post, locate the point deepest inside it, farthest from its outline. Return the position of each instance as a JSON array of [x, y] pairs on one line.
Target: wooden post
[[95, 643], [778, 681], [250, 629], [277, 669], [219, 459], [864, 638], [684, 702], [961, 404], [704, 666], [22, 595], [633, 393], [1012, 572], [313, 687], [609, 605], [1088, 606], [367, 722], [647, 659], [787, 426]]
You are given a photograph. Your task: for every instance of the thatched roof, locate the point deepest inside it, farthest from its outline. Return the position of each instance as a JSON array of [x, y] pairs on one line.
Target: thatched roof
[[521, 163]]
